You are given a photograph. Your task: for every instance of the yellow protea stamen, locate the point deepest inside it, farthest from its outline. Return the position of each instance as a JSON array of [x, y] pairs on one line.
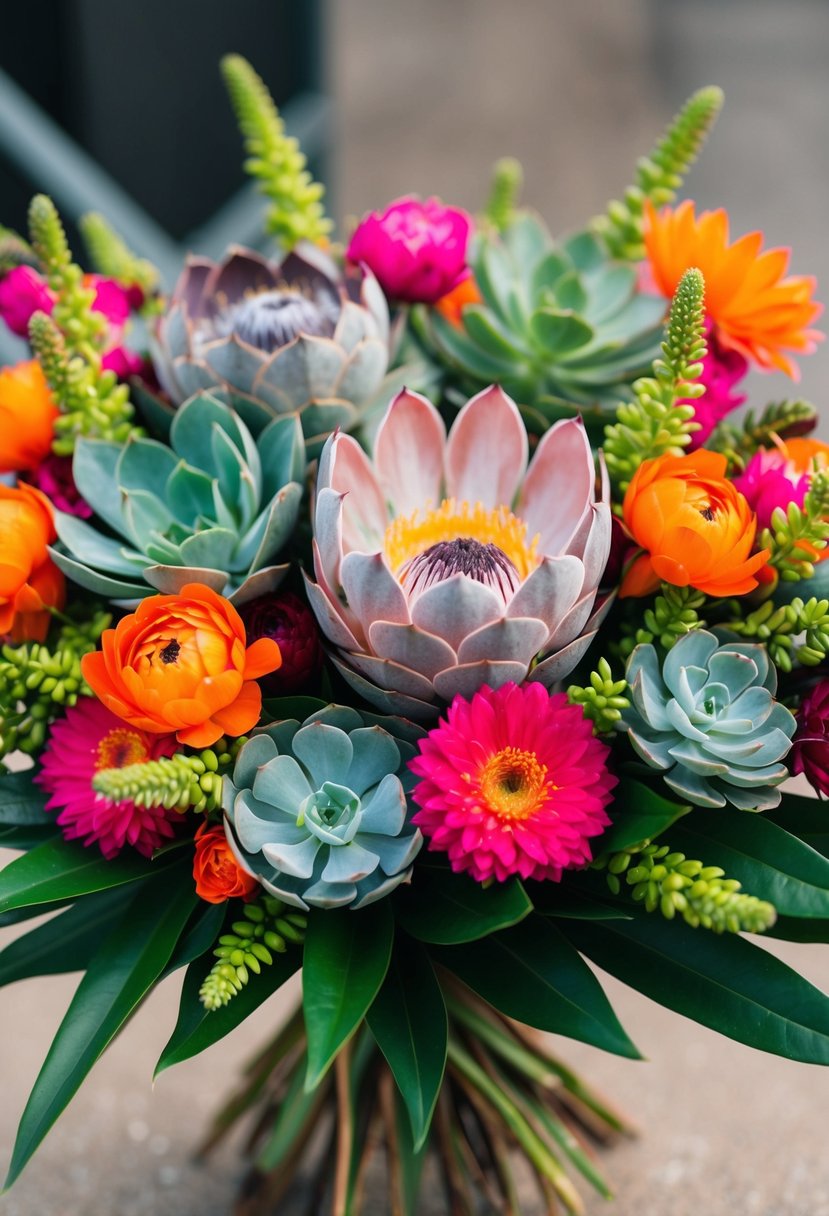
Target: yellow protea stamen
[[406, 537], [513, 784]]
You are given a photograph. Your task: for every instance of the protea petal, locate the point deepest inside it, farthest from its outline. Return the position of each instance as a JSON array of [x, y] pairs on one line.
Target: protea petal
[[408, 453], [456, 607], [406, 644], [516, 639], [465, 679], [486, 453], [364, 514], [558, 484], [372, 591]]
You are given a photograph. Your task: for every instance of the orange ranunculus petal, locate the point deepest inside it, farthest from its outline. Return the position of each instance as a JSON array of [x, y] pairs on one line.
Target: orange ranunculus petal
[[30, 583], [27, 417], [696, 527], [179, 663], [757, 308], [261, 658]]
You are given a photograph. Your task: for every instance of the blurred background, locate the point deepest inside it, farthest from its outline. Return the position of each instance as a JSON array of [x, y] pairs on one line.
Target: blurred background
[[120, 107]]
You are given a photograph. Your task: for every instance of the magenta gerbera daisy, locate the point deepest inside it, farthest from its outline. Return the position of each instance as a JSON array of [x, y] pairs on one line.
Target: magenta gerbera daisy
[[87, 739], [513, 782]]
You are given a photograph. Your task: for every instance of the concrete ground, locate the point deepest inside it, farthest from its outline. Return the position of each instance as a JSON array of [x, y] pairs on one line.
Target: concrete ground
[[430, 94]]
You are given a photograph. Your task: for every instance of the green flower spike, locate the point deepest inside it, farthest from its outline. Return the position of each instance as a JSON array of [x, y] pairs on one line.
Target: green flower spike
[[603, 700], [268, 927], [213, 508], [111, 256], [183, 782], [675, 885], [318, 812], [295, 212], [707, 719]]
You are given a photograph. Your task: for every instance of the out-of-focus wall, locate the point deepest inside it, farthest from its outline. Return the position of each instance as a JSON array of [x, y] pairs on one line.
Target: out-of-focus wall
[[430, 94]]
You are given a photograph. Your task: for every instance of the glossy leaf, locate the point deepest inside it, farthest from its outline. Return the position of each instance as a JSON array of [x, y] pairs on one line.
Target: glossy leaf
[[27, 836], [67, 942], [198, 1028], [345, 961], [724, 982], [63, 870], [532, 973], [638, 813], [447, 908], [22, 803], [408, 1020], [199, 935], [768, 861], [807, 818], [129, 963]]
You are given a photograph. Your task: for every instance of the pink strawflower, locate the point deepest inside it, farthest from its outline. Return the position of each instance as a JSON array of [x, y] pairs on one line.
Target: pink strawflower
[[775, 477], [416, 249], [87, 739], [513, 782], [23, 292], [722, 371], [53, 477]]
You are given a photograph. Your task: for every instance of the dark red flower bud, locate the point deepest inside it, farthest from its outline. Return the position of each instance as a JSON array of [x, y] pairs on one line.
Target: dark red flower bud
[[810, 749], [290, 623]]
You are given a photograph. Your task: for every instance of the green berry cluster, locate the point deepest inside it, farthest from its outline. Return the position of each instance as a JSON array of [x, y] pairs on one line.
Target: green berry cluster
[[602, 700], [181, 782], [268, 927]]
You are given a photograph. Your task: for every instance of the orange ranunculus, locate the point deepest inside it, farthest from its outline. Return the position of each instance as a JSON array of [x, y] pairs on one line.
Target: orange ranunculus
[[451, 305], [756, 307], [180, 663], [217, 873], [696, 528], [27, 417], [805, 454], [30, 582]]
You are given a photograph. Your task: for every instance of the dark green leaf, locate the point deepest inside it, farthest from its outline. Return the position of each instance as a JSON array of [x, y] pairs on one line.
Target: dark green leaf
[[67, 942], [724, 982], [573, 904], [406, 1178], [26, 837], [22, 802], [198, 1028], [346, 958], [408, 1020], [447, 908], [280, 709], [638, 813], [799, 929], [199, 935], [768, 861], [129, 963], [61, 869], [533, 974], [807, 818]]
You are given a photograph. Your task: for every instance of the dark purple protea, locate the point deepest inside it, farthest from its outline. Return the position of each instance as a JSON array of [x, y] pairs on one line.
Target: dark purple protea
[[810, 749], [290, 623]]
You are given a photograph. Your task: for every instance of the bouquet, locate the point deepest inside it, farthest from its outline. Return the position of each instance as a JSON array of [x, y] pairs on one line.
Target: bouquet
[[413, 613]]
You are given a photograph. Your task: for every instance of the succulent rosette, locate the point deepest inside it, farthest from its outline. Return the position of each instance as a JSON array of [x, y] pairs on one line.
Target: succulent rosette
[[444, 563], [317, 810], [708, 720], [278, 337], [215, 507]]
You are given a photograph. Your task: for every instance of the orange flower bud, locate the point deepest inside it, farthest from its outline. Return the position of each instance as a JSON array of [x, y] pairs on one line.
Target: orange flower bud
[[30, 583], [451, 305], [27, 417], [696, 528], [217, 873], [180, 663]]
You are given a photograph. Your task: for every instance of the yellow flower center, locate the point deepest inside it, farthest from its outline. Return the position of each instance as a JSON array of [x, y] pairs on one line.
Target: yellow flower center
[[513, 784], [407, 537], [120, 747]]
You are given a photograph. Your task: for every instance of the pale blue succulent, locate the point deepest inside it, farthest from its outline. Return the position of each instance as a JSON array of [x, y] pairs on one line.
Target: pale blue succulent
[[214, 507], [317, 811], [708, 719]]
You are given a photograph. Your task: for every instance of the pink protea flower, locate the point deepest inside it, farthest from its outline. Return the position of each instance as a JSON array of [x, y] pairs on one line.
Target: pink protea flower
[[445, 563], [512, 782], [722, 371], [775, 477], [23, 292], [417, 250], [87, 739]]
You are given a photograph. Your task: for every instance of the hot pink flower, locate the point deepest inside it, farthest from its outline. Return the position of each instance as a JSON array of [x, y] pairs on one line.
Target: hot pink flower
[[23, 292], [513, 782], [810, 747], [416, 249], [53, 477], [777, 476], [87, 739], [722, 371]]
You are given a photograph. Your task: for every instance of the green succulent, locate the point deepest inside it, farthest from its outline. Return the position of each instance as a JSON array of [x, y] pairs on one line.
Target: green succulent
[[213, 507], [560, 324], [707, 718], [317, 810]]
